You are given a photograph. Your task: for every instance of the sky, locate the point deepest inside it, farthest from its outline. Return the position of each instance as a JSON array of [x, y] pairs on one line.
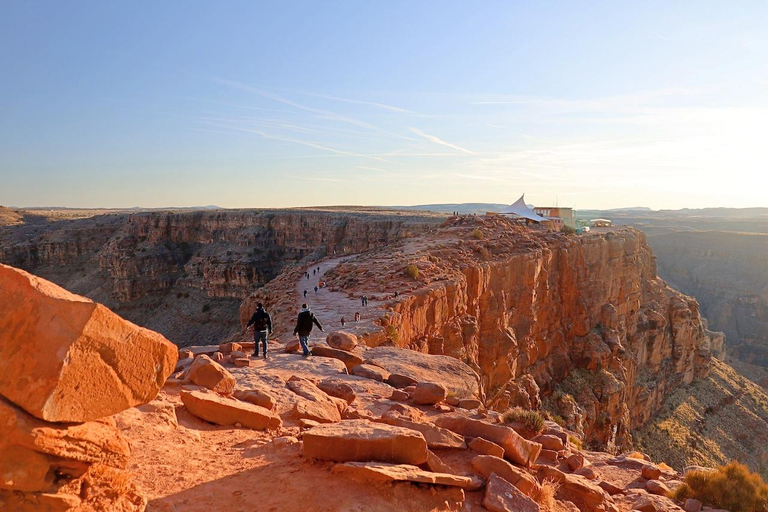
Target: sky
[[272, 104]]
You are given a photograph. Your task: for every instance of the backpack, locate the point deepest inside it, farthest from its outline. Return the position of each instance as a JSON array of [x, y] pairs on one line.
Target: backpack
[[261, 323]]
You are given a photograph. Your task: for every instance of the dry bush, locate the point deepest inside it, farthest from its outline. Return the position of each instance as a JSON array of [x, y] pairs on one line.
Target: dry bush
[[545, 495], [477, 234], [531, 420], [412, 271], [731, 487]]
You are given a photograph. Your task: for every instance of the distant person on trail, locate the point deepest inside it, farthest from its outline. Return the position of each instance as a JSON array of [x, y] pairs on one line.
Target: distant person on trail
[[343, 321], [305, 294], [304, 328], [262, 328], [315, 290], [357, 316]]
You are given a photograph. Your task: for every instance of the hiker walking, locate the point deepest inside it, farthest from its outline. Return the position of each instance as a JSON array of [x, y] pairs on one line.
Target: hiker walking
[[357, 316], [262, 328], [304, 327], [305, 294], [343, 321], [315, 289]]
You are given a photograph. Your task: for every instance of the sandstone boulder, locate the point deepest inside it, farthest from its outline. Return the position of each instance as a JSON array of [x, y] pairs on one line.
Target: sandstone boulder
[[587, 495], [516, 449], [316, 404], [502, 496], [485, 447], [349, 359], [383, 472], [398, 380], [428, 393], [342, 340], [656, 487], [650, 472], [370, 371], [469, 403], [256, 397], [436, 437], [208, 373], [436, 465], [487, 464], [66, 358], [362, 441], [228, 411], [338, 388], [549, 442]]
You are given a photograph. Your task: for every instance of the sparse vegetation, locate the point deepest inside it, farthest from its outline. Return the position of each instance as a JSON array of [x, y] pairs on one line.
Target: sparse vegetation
[[477, 234], [412, 271], [206, 308], [545, 495], [531, 420], [392, 333], [568, 230], [731, 487], [576, 442]]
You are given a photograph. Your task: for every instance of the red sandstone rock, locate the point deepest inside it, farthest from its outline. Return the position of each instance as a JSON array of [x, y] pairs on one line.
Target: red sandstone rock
[[502, 496], [242, 362], [469, 403], [587, 495], [516, 448], [228, 411], [317, 405], [230, 347], [370, 371], [436, 437], [692, 505], [362, 441], [549, 442], [610, 488], [547, 457], [383, 472], [487, 464], [349, 359], [84, 361], [338, 388], [397, 380], [656, 487], [575, 461], [255, 397], [398, 395], [650, 472], [435, 464], [587, 473], [485, 447], [341, 340], [208, 373], [428, 393]]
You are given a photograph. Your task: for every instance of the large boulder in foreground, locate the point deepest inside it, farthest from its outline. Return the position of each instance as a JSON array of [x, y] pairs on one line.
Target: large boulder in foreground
[[223, 410], [516, 448], [361, 441], [65, 358]]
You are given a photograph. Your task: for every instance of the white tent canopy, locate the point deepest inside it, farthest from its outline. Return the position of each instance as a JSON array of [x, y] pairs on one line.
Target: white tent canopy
[[520, 209]]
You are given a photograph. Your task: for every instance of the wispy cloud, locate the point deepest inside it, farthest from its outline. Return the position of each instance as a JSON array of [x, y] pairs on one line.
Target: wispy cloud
[[438, 140], [280, 99], [361, 102]]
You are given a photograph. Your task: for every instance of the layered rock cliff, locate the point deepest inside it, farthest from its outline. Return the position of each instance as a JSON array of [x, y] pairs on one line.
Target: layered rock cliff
[[580, 325], [184, 273]]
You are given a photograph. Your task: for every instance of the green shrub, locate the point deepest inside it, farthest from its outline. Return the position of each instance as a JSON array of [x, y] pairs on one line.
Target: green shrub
[[531, 420], [392, 333], [568, 230], [731, 487], [206, 308], [575, 441], [412, 271]]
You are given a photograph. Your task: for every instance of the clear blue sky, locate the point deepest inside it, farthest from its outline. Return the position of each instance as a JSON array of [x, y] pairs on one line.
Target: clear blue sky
[[258, 104]]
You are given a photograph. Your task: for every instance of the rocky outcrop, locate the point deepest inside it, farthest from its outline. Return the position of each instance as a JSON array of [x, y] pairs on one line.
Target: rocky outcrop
[[579, 324], [66, 365], [183, 273]]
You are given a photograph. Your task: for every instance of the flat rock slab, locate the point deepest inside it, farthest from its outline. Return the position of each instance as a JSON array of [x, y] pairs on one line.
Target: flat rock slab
[[383, 472], [502, 496], [436, 437], [363, 441], [370, 371], [65, 358], [228, 411], [516, 448], [457, 377]]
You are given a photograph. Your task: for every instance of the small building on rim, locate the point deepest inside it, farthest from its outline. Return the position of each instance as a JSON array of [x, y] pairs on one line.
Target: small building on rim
[[601, 223], [565, 214]]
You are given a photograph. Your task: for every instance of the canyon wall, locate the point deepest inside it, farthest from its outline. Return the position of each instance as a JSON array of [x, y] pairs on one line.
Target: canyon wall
[[579, 324], [183, 273]]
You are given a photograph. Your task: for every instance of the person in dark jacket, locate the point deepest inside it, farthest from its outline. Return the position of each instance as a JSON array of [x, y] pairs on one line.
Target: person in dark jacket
[[262, 328], [304, 327]]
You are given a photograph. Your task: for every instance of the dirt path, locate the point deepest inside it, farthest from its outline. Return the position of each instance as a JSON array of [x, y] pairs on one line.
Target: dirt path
[[330, 306]]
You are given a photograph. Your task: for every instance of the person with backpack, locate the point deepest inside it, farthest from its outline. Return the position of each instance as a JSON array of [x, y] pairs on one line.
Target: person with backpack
[[262, 328], [303, 328]]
